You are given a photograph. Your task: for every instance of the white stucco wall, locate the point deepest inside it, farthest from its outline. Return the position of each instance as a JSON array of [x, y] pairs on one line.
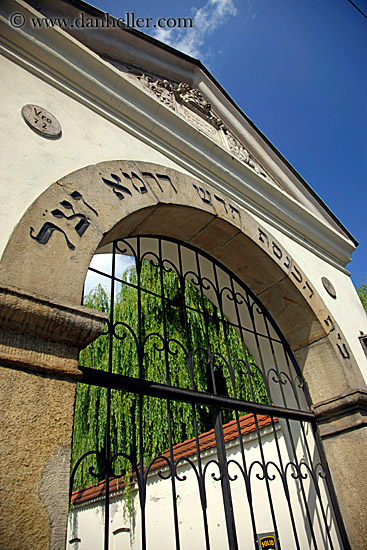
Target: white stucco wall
[[31, 163], [86, 521]]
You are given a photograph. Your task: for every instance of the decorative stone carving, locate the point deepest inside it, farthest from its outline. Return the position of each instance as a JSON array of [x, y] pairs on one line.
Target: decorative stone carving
[[200, 123], [170, 92], [193, 99], [239, 151], [190, 103], [162, 89]]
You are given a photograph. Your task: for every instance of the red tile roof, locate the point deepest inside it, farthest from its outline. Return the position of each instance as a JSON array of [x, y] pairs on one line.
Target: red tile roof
[[187, 448]]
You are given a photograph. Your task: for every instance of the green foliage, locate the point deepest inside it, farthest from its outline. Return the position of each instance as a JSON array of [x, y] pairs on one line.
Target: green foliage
[[160, 363], [362, 293]]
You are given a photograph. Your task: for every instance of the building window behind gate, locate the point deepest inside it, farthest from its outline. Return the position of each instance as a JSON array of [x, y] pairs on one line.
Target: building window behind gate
[[192, 422]]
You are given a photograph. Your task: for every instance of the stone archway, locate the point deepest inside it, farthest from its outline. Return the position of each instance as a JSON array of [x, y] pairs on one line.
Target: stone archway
[[43, 270]]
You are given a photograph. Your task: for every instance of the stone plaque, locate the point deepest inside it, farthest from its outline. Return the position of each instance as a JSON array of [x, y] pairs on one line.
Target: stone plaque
[[329, 287], [41, 121]]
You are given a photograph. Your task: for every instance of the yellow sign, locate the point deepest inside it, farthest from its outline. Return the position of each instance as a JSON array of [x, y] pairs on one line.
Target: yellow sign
[[267, 542]]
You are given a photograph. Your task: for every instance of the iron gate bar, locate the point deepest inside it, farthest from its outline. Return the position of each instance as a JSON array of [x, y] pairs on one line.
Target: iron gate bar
[[169, 414], [218, 429], [154, 389]]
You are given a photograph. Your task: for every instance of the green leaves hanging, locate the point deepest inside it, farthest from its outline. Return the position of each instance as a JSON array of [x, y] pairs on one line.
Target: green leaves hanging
[[165, 331]]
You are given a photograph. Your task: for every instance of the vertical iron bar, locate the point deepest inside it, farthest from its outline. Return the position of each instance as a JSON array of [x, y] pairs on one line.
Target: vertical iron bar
[[244, 462], [219, 437], [169, 412], [108, 411], [285, 485], [192, 381], [224, 478], [272, 511], [142, 486]]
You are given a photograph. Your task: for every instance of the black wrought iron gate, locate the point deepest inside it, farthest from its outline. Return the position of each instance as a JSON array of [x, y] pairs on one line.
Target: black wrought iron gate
[[193, 378]]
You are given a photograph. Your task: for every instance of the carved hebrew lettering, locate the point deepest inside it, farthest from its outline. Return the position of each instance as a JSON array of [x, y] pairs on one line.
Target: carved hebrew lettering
[[287, 263], [343, 349], [296, 274], [203, 193], [277, 251], [310, 289], [44, 234], [233, 209], [78, 196], [157, 177], [83, 222], [48, 228], [329, 322], [152, 176], [261, 235], [165, 178], [140, 187], [117, 188], [219, 199]]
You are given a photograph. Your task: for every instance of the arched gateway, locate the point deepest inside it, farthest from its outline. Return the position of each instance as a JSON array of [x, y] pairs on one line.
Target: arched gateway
[[194, 371], [120, 207], [199, 186]]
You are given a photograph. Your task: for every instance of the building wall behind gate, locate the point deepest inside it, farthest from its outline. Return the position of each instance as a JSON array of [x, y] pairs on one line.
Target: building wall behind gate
[[86, 521]]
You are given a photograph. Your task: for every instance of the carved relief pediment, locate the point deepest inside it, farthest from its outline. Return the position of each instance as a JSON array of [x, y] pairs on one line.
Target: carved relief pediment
[[194, 100], [190, 104]]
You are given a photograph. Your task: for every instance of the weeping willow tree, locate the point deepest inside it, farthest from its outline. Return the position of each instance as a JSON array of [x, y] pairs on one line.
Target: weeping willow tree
[[163, 326]]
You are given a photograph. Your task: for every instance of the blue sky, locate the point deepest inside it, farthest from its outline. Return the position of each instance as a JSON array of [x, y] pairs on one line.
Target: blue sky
[[298, 69]]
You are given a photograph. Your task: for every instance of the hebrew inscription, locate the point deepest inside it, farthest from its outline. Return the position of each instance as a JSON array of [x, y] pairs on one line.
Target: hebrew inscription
[[342, 348], [48, 228], [329, 323], [44, 234], [287, 262], [123, 183], [206, 198]]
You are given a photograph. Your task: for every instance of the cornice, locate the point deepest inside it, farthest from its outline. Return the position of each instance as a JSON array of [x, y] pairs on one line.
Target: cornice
[[62, 61], [39, 335], [342, 413]]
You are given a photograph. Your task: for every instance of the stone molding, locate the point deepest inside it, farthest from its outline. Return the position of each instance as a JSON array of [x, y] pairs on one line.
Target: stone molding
[[342, 413], [43, 335]]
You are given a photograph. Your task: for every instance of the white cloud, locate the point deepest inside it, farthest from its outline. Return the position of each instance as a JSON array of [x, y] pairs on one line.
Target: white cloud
[[103, 262], [205, 21]]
